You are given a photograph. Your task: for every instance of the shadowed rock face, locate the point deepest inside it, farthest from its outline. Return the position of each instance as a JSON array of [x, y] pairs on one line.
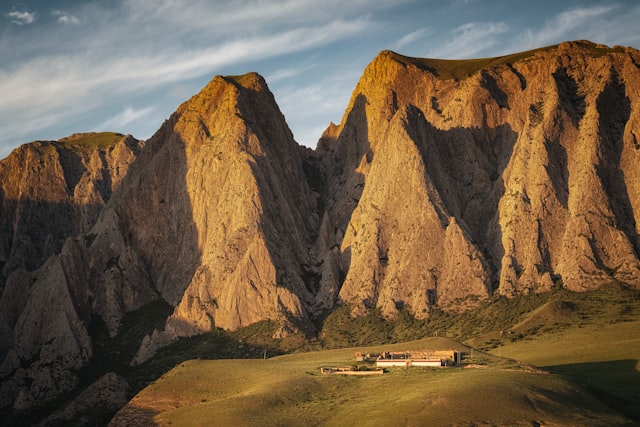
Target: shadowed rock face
[[52, 190], [445, 182]]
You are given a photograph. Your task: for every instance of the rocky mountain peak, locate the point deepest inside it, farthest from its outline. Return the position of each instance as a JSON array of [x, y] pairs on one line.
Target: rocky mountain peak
[[504, 149], [52, 190]]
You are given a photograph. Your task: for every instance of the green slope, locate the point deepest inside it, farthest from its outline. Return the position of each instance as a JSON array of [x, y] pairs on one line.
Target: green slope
[[288, 390], [604, 358], [587, 343]]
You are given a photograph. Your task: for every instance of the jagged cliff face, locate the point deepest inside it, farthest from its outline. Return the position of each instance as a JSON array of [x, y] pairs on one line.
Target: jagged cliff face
[[215, 217], [451, 179], [253, 214], [52, 190], [446, 182], [250, 221]]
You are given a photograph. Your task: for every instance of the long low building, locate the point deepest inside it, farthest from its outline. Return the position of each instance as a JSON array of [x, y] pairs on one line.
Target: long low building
[[419, 358], [388, 363]]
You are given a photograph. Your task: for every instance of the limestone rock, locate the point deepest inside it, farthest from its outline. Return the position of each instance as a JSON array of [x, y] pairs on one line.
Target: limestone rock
[[451, 179], [52, 190], [252, 214]]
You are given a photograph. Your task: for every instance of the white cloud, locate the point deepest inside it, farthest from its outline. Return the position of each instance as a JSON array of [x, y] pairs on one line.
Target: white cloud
[[144, 46], [21, 18], [127, 116], [558, 28], [410, 38], [153, 70], [470, 39], [67, 77], [284, 74], [61, 75], [65, 17]]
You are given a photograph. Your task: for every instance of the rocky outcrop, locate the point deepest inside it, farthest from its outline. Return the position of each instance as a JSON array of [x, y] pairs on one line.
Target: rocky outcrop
[[252, 210], [456, 179], [215, 217], [52, 190]]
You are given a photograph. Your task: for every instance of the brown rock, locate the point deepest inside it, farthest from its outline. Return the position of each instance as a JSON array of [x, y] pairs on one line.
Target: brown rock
[[530, 158], [52, 190]]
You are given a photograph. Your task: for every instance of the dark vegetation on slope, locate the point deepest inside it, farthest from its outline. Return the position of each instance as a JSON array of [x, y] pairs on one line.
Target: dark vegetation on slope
[[92, 139]]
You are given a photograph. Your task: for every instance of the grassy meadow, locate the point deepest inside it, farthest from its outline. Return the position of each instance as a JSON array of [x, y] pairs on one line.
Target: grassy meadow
[[559, 358], [289, 390], [603, 358]]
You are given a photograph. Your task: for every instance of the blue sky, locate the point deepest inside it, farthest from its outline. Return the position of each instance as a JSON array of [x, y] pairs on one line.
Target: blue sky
[[125, 65]]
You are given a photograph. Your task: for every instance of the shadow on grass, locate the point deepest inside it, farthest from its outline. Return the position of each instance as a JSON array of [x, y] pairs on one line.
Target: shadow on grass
[[133, 415], [616, 383]]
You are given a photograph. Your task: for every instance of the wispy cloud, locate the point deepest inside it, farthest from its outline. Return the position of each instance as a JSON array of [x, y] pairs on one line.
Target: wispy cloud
[[126, 116], [65, 17], [65, 77], [410, 38], [557, 28], [143, 45], [21, 18], [285, 73], [90, 57], [324, 100], [470, 39]]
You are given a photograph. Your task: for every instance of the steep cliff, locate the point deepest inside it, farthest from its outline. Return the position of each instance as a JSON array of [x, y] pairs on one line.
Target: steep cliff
[[49, 191], [215, 217], [52, 190], [252, 211], [450, 180]]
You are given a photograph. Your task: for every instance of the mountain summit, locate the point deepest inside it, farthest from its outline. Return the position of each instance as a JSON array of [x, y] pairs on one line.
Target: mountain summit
[[445, 183]]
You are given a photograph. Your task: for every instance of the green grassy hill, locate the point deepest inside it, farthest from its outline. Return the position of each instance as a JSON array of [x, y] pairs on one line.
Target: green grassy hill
[[586, 344], [603, 358], [289, 390]]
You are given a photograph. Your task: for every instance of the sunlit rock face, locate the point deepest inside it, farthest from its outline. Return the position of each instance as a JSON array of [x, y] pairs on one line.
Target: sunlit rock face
[[445, 182], [448, 181]]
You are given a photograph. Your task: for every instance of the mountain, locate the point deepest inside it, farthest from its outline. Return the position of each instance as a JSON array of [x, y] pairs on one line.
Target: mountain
[[52, 190], [214, 217], [446, 182], [49, 191], [449, 181]]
